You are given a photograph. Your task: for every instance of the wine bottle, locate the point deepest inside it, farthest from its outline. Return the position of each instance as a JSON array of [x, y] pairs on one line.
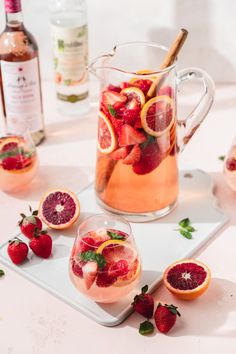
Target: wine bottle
[[20, 76], [70, 50]]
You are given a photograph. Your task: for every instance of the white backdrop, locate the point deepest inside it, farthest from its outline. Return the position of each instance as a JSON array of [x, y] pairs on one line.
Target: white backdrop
[[211, 23]]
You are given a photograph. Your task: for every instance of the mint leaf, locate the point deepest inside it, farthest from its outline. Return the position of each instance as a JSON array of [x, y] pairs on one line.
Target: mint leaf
[[184, 223], [145, 328], [221, 158], [111, 110], [93, 257], [190, 228], [150, 140], [186, 234], [1, 273], [115, 235]]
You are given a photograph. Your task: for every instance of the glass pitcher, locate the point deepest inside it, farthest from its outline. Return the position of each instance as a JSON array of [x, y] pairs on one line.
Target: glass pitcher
[[139, 131]]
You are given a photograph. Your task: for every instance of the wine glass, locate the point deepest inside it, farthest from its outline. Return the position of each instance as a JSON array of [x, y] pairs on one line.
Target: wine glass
[[18, 161], [104, 263]]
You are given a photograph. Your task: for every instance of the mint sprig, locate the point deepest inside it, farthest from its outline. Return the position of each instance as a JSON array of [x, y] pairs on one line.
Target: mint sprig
[[146, 327], [186, 229], [91, 256], [115, 236], [111, 110], [1, 273]]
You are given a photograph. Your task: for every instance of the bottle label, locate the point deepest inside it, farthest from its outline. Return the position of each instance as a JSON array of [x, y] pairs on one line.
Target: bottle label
[[22, 96], [12, 6], [70, 50]]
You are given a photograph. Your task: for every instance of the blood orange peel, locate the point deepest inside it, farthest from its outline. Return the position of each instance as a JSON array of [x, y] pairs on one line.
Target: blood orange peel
[[59, 208], [157, 115], [187, 279], [106, 137], [134, 93]]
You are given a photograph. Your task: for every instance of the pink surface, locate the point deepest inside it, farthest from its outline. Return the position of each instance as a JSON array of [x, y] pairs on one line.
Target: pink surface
[[34, 322]]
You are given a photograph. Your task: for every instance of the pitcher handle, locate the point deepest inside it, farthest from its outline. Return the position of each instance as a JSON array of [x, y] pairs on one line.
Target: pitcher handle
[[188, 126]]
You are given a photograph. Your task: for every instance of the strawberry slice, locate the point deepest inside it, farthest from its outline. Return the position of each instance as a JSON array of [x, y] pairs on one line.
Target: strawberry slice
[[114, 88], [90, 270], [150, 159], [134, 156], [112, 97], [120, 153], [130, 136], [133, 104]]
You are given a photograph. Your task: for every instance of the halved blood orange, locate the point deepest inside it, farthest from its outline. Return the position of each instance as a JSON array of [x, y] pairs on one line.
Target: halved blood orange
[[134, 92], [106, 137], [59, 208], [187, 279], [158, 115]]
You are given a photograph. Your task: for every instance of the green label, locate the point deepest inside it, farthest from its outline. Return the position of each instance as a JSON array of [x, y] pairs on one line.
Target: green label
[[72, 98]]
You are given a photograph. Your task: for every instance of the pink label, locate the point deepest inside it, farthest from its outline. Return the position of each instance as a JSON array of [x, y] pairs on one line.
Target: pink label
[[12, 6]]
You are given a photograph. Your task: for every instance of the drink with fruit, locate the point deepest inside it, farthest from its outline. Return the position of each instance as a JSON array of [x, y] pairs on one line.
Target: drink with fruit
[[18, 162], [230, 167], [104, 262], [137, 172]]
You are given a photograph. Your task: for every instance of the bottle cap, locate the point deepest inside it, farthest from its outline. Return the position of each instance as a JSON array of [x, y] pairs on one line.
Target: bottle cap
[[12, 6]]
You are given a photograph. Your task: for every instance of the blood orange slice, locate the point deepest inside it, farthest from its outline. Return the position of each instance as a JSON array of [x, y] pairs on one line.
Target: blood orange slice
[[136, 93], [157, 115], [187, 279], [106, 137], [59, 208], [122, 260]]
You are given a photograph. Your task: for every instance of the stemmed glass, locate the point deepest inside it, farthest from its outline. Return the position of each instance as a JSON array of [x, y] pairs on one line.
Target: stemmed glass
[[104, 263]]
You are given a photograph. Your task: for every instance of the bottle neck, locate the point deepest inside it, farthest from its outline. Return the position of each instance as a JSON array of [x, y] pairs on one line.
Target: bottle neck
[[14, 17]]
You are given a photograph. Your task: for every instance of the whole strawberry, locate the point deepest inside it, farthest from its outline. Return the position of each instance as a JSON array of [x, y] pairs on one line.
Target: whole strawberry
[[165, 317], [17, 250], [30, 224], [41, 245], [144, 303]]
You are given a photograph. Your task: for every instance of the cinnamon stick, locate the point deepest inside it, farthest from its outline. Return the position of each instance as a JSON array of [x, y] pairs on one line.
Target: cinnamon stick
[[169, 59]]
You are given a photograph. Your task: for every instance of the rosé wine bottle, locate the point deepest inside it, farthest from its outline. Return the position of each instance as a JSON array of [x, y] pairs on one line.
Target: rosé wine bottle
[[20, 77]]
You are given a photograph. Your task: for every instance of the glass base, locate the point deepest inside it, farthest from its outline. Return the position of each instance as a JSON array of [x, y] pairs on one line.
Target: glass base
[[139, 217]]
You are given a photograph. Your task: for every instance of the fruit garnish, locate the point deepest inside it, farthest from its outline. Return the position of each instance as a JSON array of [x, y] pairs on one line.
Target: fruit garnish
[[231, 164], [89, 270], [91, 256], [9, 143], [30, 224], [86, 244], [2, 273], [130, 136], [112, 97], [104, 279], [187, 279], [114, 88], [144, 303], [99, 236], [134, 156], [122, 267], [151, 157], [17, 250], [134, 94], [108, 243], [165, 317], [186, 228], [120, 153], [146, 328], [157, 115], [77, 268], [59, 208], [106, 136], [41, 244]]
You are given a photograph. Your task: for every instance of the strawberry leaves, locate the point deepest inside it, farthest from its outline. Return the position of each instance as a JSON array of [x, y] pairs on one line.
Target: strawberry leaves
[[2, 273]]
